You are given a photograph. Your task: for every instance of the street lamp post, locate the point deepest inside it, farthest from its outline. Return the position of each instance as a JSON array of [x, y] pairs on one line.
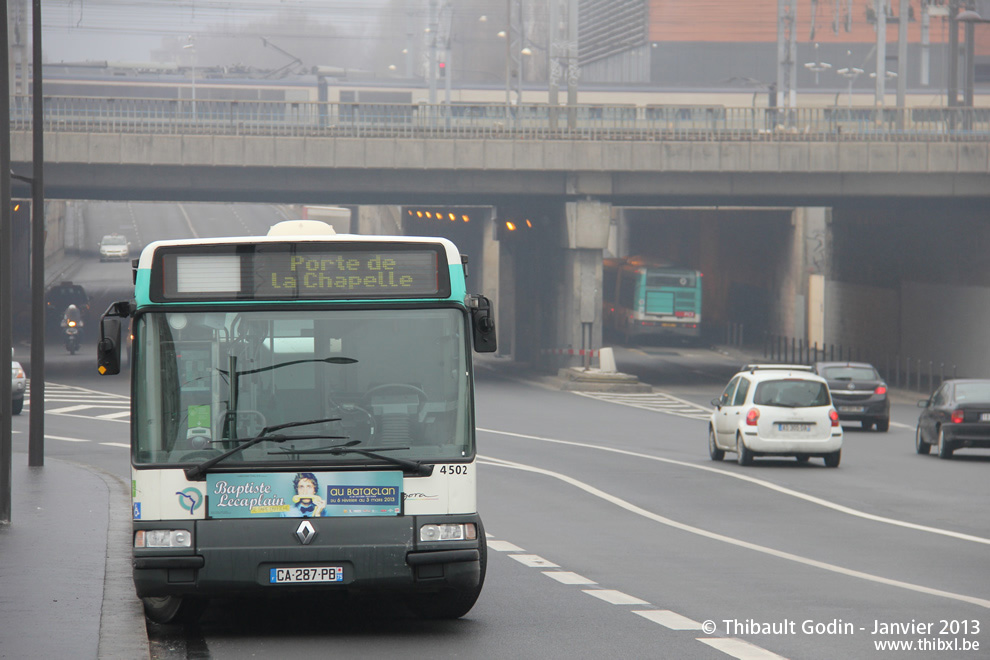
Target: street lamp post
[[191, 47], [850, 73], [817, 66]]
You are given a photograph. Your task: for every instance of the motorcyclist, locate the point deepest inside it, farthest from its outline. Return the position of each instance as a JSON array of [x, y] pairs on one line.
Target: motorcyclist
[[72, 318]]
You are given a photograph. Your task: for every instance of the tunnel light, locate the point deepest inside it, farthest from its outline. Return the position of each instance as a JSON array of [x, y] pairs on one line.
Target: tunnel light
[[511, 226]]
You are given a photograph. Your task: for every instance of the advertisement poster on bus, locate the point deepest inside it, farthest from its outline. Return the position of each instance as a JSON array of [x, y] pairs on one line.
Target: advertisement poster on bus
[[304, 494]]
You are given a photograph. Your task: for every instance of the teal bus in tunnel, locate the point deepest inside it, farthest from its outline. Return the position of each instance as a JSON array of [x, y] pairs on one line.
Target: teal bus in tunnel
[[302, 410], [644, 298]]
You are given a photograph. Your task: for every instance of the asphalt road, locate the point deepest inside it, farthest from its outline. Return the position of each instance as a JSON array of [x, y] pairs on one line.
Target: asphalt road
[[609, 524], [612, 534]]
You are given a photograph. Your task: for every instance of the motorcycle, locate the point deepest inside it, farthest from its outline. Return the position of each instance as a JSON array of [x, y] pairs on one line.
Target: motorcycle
[[72, 336]]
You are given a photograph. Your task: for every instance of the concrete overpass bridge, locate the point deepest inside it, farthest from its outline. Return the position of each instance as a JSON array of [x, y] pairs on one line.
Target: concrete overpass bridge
[[816, 181]]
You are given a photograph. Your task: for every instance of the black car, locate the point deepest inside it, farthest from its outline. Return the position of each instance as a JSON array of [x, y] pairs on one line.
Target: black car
[[60, 296], [859, 394], [956, 415]]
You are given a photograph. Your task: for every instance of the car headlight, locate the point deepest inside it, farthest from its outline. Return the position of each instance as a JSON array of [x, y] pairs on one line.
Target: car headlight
[[448, 532], [163, 538]]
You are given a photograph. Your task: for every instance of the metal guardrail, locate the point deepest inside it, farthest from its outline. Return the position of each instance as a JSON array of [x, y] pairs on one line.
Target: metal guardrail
[[900, 371], [499, 121]]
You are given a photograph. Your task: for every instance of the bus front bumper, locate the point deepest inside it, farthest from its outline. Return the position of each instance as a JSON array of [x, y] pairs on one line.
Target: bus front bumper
[[374, 555]]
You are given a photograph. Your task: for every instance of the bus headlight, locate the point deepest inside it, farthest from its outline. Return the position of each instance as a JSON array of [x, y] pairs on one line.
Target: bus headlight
[[163, 538], [448, 532]]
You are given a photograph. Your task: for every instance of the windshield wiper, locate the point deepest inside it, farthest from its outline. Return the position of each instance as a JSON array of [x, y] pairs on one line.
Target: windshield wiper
[[327, 360], [196, 472], [416, 467]]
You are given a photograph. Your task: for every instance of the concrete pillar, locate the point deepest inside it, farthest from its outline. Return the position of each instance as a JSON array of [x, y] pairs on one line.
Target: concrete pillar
[[807, 254], [378, 221], [579, 300]]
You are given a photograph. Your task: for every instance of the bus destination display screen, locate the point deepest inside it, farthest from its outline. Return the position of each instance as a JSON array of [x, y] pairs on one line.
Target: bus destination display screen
[[300, 272]]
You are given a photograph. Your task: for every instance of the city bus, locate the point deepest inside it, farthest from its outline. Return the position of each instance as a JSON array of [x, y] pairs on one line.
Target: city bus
[[302, 419], [644, 298]]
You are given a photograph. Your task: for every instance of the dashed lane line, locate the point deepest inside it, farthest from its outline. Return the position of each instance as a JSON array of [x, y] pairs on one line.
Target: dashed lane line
[[568, 577], [667, 618], [534, 561], [739, 648], [615, 597]]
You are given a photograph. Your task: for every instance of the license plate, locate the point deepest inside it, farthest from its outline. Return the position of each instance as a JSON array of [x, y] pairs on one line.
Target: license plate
[[985, 417], [852, 409], [306, 574], [800, 428]]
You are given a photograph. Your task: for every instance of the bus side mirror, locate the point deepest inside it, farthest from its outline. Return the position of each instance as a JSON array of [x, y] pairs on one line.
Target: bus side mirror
[[108, 348], [482, 324]]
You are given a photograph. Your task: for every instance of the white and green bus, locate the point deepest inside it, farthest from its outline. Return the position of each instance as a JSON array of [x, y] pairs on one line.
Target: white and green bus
[[302, 419]]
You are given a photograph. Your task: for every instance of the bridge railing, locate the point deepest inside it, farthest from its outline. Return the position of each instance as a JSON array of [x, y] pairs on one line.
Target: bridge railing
[[500, 121]]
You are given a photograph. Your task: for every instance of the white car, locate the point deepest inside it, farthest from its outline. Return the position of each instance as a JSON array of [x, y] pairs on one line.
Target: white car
[[114, 247], [775, 410], [18, 383]]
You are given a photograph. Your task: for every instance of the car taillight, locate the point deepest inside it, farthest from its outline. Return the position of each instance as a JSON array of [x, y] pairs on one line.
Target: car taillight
[[752, 416], [834, 416], [881, 389], [957, 416]]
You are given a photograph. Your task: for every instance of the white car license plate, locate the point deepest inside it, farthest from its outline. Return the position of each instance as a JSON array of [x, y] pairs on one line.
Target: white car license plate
[[851, 409], [299, 574], [985, 417], [799, 428]]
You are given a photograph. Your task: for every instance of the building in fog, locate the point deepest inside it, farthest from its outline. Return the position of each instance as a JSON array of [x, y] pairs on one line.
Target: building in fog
[[719, 44]]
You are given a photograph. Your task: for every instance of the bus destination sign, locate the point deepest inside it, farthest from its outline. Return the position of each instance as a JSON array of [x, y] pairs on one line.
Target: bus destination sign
[[296, 272], [364, 273]]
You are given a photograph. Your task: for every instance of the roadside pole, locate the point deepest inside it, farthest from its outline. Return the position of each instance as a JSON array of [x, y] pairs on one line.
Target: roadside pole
[[6, 326], [36, 437]]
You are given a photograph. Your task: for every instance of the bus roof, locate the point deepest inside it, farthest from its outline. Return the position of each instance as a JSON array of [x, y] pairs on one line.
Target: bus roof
[[453, 254]]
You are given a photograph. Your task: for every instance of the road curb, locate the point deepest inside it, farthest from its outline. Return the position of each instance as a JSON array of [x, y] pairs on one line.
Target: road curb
[[123, 630]]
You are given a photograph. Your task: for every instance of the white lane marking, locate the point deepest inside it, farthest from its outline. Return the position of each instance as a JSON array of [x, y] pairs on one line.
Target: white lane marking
[[69, 409], [669, 619], [504, 546], [75, 389], [119, 421], [807, 561], [615, 597], [903, 426], [759, 482], [739, 648], [655, 402], [189, 224], [534, 561], [567, 577], [114, 416], [116, 444], [58, 437]]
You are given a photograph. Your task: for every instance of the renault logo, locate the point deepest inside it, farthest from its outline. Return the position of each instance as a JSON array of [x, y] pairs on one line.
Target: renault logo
[[305, 532]]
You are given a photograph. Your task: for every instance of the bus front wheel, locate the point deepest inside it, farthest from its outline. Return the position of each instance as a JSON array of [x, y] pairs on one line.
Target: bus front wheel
[[452, 603], [173, 609]]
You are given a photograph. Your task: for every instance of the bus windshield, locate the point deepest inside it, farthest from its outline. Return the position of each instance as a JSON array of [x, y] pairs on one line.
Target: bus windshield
[[209, 380]]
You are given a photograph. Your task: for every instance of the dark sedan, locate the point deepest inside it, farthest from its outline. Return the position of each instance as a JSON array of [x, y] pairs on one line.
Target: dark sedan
[[957, 415], [859, 394]]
